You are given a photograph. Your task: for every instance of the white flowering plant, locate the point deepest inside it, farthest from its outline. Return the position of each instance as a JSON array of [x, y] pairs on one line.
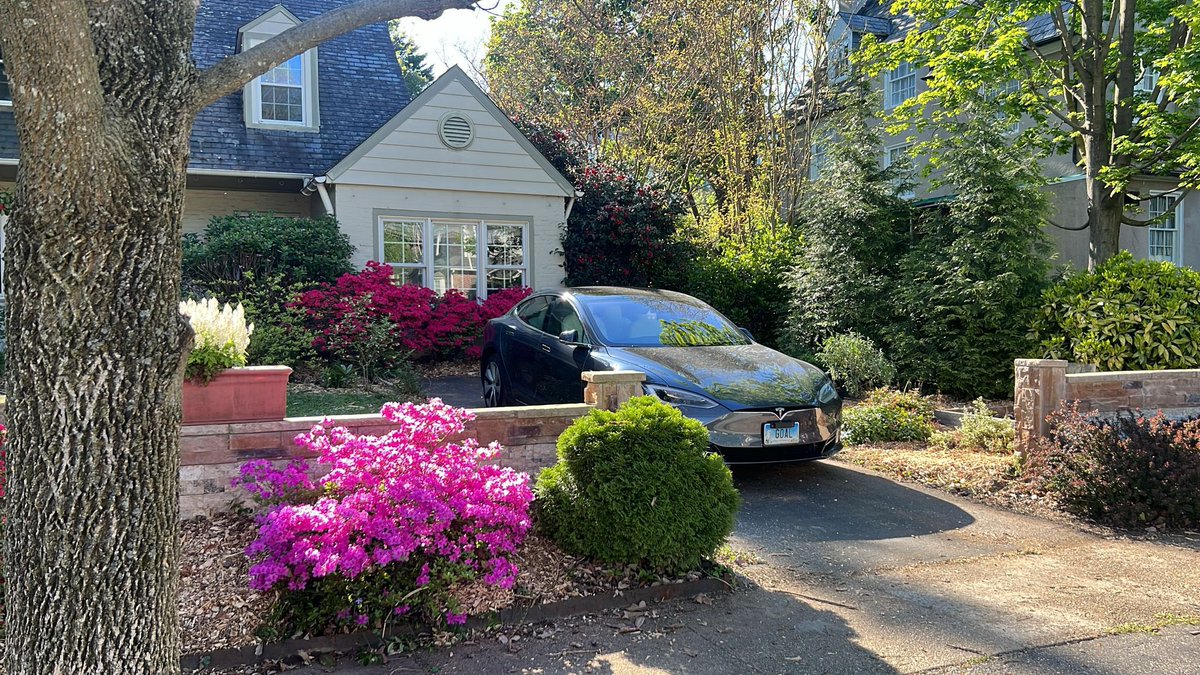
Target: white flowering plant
[[222, 337]]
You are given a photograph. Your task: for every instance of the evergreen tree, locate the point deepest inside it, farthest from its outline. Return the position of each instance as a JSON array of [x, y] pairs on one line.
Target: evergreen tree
[[416, 73]]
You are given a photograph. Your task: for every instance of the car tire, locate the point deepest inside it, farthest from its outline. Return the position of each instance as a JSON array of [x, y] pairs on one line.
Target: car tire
[[495, 393]]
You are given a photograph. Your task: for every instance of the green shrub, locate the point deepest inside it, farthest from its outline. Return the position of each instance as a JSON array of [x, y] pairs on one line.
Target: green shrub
[[743, 277], [637, 486], [307, 250], [280, 337], [1133, 472], [1126, 315], [889, 415], [855, 364], [980, 431]]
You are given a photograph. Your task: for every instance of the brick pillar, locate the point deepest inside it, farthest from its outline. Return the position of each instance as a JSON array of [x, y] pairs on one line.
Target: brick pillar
[[607, 390], [1040, 384]]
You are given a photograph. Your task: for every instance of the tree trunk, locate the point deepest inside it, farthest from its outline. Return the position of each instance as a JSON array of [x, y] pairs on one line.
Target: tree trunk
[[95, 338], [1104, 224], [94, 373]]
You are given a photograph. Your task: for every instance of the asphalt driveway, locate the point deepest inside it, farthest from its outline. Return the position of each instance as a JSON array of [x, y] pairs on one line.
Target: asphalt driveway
[[860, 574]]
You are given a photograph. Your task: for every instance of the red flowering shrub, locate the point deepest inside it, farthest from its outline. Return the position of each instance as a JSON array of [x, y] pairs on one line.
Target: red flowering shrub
[[350, 311]]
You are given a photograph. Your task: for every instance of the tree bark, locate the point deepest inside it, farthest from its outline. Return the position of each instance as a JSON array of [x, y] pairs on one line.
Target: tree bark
[[104, 94]]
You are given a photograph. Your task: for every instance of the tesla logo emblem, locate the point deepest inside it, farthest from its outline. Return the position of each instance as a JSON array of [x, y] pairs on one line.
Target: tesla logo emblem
[[780, 411]]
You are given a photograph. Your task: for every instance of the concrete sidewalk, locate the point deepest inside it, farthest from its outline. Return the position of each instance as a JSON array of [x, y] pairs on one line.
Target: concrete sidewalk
[[861, 574]]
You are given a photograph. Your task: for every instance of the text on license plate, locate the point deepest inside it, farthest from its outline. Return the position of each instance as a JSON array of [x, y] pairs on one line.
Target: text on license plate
[[781, 433]]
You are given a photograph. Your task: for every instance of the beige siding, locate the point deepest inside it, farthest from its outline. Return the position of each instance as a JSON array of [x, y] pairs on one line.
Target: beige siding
[[199, 206], [357, 205], [414, 156]]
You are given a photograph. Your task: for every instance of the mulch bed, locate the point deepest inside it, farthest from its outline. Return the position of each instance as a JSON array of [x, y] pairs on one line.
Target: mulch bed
[[430, 371], [217, 610]]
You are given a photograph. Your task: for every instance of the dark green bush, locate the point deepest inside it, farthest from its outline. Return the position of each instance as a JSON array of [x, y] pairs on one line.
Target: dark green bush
[[280, 337], [301, 250], [855, 364], [1131, 472], [888, 415], [1126, 315], [637, 486]]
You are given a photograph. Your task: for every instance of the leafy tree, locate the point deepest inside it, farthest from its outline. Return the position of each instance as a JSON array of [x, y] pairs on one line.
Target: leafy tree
[[416, 73], [971, 282], [104, 96], [1115, 81]]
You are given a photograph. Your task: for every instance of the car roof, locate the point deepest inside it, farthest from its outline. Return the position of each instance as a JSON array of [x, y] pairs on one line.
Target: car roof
[[621, 291]]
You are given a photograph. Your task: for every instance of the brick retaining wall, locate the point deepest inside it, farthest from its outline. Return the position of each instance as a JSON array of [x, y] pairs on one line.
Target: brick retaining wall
[[1041, 384], [211, 454]]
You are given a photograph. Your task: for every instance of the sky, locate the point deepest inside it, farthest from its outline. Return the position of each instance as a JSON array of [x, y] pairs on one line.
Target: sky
[[458, 37]]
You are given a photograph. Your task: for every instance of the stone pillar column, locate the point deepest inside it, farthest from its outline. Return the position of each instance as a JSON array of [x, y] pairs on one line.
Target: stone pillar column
[[608, 389], [1040, 384]]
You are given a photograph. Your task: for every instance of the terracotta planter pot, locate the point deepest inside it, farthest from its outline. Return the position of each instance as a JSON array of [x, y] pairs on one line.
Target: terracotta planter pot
[[253, 394]]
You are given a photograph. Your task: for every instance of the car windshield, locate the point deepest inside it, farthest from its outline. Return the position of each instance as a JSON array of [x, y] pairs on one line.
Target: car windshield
[[637, 321]]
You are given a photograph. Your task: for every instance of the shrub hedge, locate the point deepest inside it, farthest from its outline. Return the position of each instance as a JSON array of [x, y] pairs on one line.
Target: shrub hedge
[[637, 486], [889, 415], [302, 250]]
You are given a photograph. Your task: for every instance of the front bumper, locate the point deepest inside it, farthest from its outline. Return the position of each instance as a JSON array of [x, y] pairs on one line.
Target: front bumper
[[738, 435]]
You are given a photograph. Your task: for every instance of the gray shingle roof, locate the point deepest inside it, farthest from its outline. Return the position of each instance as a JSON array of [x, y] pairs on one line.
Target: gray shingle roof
[[359, 88], [873, 12], [867, 24]]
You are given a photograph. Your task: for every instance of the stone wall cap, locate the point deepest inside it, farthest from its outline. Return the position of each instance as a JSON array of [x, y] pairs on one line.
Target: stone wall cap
[[1132, 375], [1041, 363], [619, 376]]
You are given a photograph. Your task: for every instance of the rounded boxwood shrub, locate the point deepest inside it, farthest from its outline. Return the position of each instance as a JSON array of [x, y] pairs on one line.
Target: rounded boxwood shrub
[[1126, 315], [637, 486]]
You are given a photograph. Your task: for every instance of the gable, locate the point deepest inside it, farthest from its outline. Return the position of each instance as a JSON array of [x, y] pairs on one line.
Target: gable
[[409, 151]]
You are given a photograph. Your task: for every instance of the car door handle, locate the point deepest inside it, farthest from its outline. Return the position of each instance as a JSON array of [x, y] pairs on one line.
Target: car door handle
[[545, 347]]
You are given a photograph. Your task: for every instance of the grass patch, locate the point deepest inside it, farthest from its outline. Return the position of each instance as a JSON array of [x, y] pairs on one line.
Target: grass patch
[[310, 402], [728, 555], [1160, 621]]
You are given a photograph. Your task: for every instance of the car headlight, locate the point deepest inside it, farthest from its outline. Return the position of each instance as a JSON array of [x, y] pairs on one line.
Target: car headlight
[[828, 392], [678, 397]]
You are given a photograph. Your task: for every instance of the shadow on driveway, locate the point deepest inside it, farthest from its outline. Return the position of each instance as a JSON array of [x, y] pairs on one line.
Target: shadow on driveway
[[460, 391]]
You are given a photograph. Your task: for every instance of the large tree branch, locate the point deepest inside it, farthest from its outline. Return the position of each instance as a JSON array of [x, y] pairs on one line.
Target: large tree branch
[[1134, 222], [230, 73]]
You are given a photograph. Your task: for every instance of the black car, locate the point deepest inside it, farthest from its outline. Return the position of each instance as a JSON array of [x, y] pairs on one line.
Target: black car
[[759, 405]]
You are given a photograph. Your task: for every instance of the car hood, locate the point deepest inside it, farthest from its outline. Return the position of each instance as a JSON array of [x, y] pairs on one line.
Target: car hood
[[737, 376]]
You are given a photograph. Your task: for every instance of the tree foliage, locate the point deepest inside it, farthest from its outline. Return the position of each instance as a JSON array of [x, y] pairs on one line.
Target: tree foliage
[[416, 72], [1114, 82]]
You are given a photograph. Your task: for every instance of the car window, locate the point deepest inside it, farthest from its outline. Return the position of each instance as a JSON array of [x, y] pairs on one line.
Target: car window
[[561, 317], [533, 311], [636, 321]]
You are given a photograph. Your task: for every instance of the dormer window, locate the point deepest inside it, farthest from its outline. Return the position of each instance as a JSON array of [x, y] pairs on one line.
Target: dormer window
[[284, 97]]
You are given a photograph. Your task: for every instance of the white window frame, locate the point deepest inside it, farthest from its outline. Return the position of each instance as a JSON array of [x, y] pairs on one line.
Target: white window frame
[[1176, 228], [308, 96], [892, 88], [816, 161], [887, 153], [482, 267], [5, 102]]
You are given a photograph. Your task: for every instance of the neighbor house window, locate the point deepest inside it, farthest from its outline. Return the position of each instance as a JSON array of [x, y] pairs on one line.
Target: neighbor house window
[[5, 88], [472, 256], [897, 154], [816, 164], [899, 85], [1164, 236]]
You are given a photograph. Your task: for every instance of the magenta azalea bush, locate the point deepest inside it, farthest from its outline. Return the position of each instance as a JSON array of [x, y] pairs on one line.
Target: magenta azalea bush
[[395, 523]]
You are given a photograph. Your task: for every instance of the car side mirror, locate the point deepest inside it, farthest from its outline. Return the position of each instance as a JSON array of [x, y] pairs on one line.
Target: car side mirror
[[746, 332], [570, 337]]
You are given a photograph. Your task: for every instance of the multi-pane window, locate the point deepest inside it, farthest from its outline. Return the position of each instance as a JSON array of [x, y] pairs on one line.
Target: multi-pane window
[[897, 155], [1163, 234], [1148, 80], [473, 256], [816, 164], [900, 85], [281, 92], [5, 89]]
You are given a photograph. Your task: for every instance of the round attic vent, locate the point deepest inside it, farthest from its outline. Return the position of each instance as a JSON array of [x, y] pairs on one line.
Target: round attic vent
[[456, 131]]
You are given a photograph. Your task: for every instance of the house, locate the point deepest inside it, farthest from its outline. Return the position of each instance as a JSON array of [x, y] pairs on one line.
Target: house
[[441, 185], [1176, 238]]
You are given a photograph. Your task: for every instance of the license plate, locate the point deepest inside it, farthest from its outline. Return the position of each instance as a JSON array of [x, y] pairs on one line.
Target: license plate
[[781, 433]]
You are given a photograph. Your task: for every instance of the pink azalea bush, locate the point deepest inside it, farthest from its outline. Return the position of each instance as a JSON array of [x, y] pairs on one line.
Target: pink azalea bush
[[449, 326], [397, 520]]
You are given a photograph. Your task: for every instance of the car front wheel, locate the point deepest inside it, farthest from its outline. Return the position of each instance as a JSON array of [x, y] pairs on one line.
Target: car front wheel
[[494, 394]]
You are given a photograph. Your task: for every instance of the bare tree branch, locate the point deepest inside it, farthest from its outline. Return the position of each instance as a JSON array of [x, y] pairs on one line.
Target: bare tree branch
[[228, 74], [1068, 228], [1134, 222]]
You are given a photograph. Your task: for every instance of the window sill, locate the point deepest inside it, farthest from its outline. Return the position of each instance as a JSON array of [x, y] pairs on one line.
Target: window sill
[[295, 128], [6, 105]]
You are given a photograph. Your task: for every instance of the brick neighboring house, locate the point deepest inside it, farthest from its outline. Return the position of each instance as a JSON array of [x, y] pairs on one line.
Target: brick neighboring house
[[442, 186], [1176, 239]]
